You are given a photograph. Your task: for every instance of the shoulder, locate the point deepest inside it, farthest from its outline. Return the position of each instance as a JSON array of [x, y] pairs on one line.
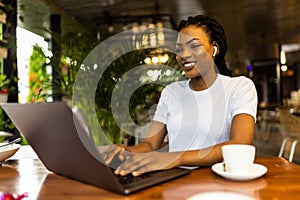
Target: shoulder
[[238, 87], [235, 78], [177, 85], [174, 89], [238, 81]]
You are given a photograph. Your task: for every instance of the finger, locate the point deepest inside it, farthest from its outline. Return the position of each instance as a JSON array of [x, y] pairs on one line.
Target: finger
[[143, 169], [110, 153], [137, 173], [109, 157], [105, 153], [132, 164], [123, 155]]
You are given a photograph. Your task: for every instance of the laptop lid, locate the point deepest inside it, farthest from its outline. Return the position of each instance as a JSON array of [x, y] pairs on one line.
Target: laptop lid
[[65, 148], [50, 129]]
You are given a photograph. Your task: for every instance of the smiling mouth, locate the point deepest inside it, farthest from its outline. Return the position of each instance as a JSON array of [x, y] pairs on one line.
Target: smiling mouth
[[189, 64]]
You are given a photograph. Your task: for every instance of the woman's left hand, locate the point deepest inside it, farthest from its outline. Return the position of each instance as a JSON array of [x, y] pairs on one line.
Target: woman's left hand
[[139, 163]]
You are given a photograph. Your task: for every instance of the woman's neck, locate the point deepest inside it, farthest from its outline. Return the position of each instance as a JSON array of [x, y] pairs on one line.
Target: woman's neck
[[201, 83]]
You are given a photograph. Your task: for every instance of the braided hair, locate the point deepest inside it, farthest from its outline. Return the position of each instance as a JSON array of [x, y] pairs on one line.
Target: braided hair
[[216, 33]]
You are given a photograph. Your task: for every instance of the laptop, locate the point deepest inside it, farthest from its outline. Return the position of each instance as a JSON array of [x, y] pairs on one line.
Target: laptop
[[61, 144]]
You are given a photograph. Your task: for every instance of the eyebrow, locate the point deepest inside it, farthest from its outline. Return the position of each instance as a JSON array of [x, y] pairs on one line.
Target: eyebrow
[[188, 42]]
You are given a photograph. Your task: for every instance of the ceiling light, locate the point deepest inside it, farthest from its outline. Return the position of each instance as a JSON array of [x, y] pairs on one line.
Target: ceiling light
[[155, 60], [282, 57], [284, 68], [164, 58], [147, 60]]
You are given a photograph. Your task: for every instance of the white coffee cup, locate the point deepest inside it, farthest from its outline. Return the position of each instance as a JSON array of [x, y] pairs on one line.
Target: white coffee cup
[[238, 158]]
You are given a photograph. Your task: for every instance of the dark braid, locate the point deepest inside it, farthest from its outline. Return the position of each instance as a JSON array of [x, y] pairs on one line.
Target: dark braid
[[215, 33]]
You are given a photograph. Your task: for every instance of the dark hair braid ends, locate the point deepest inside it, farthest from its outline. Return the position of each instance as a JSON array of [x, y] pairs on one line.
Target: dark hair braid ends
[[216, 33]]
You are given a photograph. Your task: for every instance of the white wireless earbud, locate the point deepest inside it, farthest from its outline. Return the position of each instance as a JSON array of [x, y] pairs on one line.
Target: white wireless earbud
[[215, 51]]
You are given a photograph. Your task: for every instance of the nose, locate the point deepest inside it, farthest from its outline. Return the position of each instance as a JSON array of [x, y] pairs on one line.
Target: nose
[[185, 54]]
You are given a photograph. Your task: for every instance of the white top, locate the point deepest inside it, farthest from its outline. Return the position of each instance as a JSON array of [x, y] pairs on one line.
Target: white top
[[199, 119]]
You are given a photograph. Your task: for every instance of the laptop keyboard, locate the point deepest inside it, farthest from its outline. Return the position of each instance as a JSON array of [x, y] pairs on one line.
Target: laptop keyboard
[[130, 179], [154, 176], [149, 178], [132, 183], [124, 180]]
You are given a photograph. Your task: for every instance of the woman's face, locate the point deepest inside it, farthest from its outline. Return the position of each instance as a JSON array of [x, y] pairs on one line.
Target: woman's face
[[194, 52]]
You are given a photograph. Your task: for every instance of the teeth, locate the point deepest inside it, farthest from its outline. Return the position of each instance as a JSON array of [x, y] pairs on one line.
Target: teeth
[[190, 64]]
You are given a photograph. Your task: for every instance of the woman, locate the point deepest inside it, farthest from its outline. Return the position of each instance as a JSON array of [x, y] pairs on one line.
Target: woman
[[199, 115]]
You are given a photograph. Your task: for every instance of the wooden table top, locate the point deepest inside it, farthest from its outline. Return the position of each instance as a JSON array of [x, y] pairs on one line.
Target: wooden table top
[[282, 181]]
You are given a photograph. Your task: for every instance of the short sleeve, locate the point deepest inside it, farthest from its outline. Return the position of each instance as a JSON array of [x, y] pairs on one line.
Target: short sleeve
[[245, 98]]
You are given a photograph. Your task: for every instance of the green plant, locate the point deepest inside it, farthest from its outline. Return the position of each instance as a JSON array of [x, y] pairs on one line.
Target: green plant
[[39, 80], [75, 46], [5, 88], [4, 83], [5, 123], [143, 98]]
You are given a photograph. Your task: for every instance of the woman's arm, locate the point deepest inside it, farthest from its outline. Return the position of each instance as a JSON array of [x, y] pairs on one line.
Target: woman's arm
[[153, 141], [242, 132]]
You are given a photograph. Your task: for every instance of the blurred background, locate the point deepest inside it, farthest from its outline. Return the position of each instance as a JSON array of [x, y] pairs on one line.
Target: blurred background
[[44, 42], [258, 32]]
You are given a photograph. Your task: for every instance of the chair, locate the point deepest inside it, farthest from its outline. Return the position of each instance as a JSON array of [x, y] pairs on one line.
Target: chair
[[290, 126], [269, 121]]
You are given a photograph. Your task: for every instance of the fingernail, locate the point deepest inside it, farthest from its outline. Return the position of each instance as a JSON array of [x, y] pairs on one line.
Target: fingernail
[[135, 173], [123, 173]]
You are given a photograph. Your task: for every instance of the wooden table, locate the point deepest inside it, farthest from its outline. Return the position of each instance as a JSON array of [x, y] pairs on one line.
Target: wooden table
[[282, 181]]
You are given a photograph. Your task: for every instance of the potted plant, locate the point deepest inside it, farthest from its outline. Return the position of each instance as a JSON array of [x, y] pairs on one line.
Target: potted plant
[[4, 81]]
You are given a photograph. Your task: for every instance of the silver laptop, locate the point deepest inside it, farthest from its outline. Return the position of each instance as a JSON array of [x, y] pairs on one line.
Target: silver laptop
[[52, 131]]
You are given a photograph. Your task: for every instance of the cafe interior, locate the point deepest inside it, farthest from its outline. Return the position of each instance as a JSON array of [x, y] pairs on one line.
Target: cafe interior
[[263, 38]]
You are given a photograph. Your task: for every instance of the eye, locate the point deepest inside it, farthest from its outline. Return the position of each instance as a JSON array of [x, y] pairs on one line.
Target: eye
[[178, 50], [194, 46]]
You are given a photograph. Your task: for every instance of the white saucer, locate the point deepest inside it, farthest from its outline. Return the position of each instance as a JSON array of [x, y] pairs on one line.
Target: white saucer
[[256, 171], [219, 195]]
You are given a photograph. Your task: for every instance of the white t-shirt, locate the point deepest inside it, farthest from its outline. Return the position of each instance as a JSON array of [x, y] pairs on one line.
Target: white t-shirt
[[199, 119]]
